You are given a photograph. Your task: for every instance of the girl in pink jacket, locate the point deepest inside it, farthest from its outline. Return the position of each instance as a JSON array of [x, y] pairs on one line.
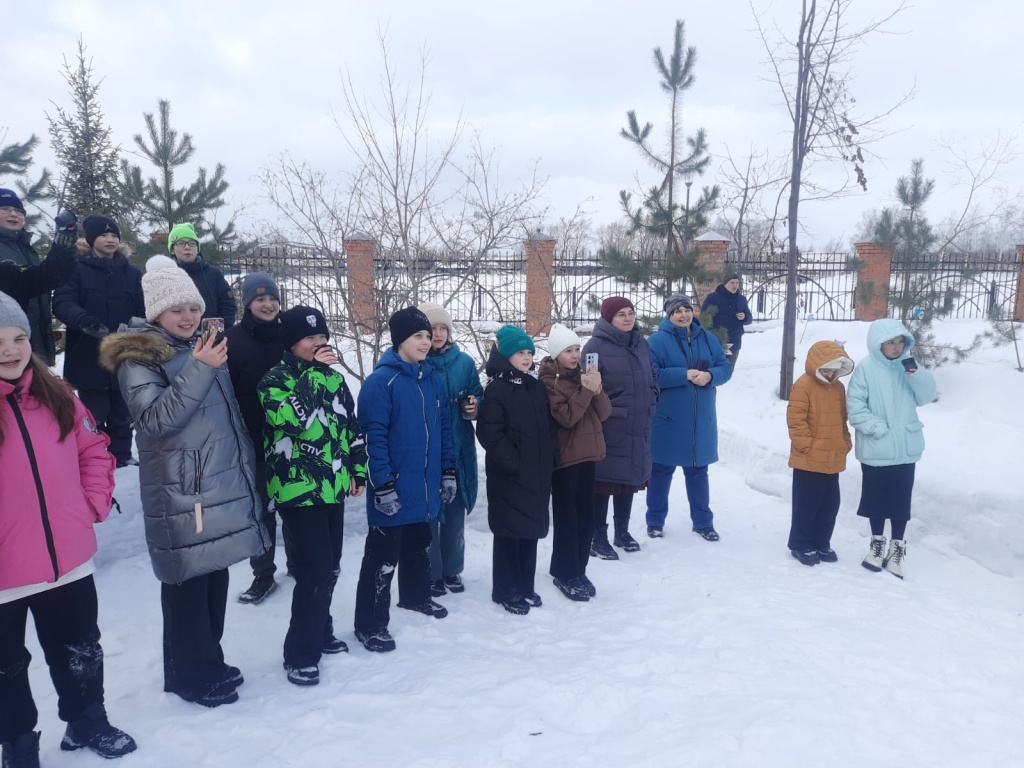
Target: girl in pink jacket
[[57, 480]]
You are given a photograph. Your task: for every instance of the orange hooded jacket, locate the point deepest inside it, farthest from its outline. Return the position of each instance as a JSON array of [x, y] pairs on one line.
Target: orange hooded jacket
[[816, 415]]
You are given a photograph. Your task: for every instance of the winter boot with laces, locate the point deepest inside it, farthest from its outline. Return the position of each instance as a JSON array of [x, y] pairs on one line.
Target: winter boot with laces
[[624, 541], [94, 731], [599, 546], [875, 557], [22, 751], [380, 641], [429, 608], [573, 589], [893, 562], [262, 588]]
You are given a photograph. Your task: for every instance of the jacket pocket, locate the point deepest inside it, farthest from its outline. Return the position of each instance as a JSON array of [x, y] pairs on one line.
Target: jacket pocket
[[878, 448], [915, 439]]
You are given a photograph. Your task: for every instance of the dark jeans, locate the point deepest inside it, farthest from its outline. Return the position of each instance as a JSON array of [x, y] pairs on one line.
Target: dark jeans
[[623, 508], [448, 541], [405, 547], [65, 619], [572, 520], [112, 418], [264, 565], [316, 535], [193, 627], [514, 564], [815, 506]]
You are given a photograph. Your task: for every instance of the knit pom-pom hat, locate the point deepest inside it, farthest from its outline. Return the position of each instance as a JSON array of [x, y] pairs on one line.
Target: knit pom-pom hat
[[165, 285]]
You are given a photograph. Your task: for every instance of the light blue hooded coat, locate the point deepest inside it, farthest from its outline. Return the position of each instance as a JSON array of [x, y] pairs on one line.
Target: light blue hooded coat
[[882, 401]]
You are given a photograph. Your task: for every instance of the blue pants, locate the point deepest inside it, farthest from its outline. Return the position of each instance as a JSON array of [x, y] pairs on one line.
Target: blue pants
[[448, 541], [698, 493]]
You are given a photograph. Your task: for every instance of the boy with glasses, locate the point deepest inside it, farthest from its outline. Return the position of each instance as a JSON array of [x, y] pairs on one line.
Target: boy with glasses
[[183, 243]]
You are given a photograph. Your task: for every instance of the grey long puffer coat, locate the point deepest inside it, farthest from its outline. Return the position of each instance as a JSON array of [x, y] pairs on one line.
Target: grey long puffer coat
[[193, 447]]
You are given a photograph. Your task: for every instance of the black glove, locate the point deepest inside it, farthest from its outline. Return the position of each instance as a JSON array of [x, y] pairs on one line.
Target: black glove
[[449, 485], [67, 229], [385, 500], [96, 330]]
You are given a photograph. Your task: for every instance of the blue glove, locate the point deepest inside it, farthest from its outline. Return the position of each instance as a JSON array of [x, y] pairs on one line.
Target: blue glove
[[448, 486], [385, 500], [96, 330], [67, 229]]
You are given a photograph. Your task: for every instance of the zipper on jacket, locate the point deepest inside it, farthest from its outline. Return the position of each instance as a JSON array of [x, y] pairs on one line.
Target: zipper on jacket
[[426, 447], [44, 514]]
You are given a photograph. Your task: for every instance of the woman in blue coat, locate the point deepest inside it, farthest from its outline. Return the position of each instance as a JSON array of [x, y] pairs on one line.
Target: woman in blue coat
[[463, 393], [885, 391], [691, 365]]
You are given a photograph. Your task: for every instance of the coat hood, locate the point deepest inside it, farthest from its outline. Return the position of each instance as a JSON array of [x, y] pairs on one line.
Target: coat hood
[[666, 324], [828, 353], [605, 330], [390, 359], [446, 358], [499, 366], [881, 331], [142, 343], [550, 369]]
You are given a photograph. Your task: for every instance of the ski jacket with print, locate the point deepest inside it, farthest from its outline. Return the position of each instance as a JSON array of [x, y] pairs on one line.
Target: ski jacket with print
[[408, 438], [314, 449], [254, 347], [53, 491]]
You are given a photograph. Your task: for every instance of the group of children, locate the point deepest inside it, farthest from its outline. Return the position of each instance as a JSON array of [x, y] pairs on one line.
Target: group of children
[[209, 499]]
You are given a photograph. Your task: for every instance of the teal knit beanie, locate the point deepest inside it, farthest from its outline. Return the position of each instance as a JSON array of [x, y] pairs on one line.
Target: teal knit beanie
[[512, 339]]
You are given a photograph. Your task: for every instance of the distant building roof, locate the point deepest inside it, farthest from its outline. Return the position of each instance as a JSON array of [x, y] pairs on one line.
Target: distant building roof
[[712, 235]]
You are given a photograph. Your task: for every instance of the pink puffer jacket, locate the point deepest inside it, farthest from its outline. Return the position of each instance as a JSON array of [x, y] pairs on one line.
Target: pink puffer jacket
[[52, 492]]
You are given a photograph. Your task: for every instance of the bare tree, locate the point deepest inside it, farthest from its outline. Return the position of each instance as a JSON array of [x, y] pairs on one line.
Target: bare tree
[[813, 72], [752, 191]]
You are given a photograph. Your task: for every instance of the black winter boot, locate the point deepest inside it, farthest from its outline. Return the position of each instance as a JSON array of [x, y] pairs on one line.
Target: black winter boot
[[94, 731], [22, 751], [623, 540], [599, 547], [262, 588]]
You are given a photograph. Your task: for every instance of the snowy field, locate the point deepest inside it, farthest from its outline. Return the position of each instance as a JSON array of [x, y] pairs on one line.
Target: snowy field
[[693, 653]]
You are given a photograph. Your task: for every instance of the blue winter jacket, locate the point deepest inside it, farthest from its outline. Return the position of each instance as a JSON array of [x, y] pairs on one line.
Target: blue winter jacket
[[408, 439], [459, 378], [684, 432], [727, 306], [882, 401]]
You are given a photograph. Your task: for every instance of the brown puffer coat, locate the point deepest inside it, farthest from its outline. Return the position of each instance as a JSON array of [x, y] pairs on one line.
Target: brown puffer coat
[[578, 412], [817, 413]]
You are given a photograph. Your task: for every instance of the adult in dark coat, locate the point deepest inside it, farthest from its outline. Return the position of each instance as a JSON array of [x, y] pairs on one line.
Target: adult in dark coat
[[624, 360], [254, 347], [183, 243], [731, 312], [519, 436], [27, 280], [104, 292]]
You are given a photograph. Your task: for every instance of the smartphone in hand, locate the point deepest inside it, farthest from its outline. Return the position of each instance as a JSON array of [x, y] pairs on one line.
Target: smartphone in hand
[[909, 364], [590, 362], [212, 330]]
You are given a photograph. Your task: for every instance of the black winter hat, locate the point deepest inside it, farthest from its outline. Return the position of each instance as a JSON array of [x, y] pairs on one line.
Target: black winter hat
[[299, 322], [405, 322], [258, 284], [96, 225]]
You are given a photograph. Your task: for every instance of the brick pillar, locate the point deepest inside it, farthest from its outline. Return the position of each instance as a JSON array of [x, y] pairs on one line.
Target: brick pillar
[[1018, 305], [872, 300], [362, 304], [711, 250], [540, 270]]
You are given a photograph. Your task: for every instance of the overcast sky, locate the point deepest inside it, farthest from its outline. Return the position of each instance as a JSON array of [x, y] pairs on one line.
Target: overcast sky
[[547, 81]]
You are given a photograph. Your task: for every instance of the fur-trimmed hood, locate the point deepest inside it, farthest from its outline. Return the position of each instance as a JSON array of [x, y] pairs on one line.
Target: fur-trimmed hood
[[141, 343], [84, 249]]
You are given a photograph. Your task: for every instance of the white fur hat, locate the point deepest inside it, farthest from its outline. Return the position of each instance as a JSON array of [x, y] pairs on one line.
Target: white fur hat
[[166, 285], [560, 339], [438, 315]]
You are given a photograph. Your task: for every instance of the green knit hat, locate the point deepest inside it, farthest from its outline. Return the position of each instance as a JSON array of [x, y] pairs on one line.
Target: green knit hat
[[512, 339], [181, 232]]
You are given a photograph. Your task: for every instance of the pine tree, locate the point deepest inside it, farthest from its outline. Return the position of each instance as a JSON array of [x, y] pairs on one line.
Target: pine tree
[[86, 156], [15, 161], [157, 200], [661, 212]]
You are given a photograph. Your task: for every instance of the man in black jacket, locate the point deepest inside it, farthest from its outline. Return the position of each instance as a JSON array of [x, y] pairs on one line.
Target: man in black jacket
[[27, 280], [183, 243]]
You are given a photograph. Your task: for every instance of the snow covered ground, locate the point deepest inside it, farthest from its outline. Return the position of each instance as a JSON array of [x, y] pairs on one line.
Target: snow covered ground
[[693, 653]]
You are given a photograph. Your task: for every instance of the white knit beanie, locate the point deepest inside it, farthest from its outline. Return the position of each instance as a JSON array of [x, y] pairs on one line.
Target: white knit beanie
[[166, 285], [560, 339], [438, 315]]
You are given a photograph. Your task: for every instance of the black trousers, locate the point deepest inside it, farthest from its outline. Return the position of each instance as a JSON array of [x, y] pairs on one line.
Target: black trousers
[[514, 566], [316, 535], [264, 565], [815, 506], [623, 506], [405, 547], [193, 627], [112, 418], [572, 519], [65, 619]]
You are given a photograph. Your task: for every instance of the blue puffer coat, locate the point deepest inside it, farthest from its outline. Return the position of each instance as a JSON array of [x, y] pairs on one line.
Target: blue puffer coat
[[684, 432], [408, 438], [882, 401], [459, 377], [624, 360], [727, 305]]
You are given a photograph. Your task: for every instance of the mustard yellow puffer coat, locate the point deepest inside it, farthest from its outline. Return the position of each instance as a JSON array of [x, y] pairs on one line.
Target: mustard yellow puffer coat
[[816, 415]]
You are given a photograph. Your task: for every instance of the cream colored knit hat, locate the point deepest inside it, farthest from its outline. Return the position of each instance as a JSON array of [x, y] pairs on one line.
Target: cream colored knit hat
[[166, 285]]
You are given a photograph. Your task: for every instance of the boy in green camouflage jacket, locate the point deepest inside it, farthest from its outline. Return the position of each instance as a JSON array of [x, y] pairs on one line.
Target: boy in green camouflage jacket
[[316, 456]]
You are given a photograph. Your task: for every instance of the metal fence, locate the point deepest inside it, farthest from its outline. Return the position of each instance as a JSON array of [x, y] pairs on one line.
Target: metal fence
[[961, 285]]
